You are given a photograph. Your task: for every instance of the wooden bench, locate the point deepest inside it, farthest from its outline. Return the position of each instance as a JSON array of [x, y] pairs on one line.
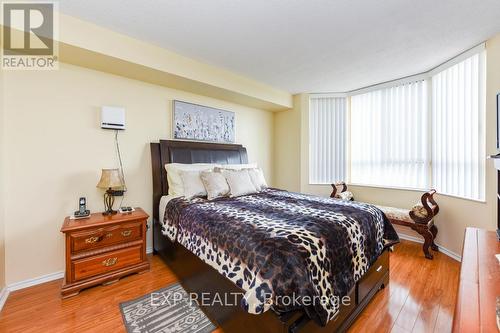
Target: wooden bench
[[420, 218]]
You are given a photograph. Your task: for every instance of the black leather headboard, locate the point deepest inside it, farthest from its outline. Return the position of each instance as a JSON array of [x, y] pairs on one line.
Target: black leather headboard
[[171, 151], [196, 155]]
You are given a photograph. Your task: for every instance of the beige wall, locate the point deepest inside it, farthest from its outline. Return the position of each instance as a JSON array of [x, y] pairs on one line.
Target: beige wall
[[76, 32], [2, 162], [55, 150], [287, 147], [456, 214]]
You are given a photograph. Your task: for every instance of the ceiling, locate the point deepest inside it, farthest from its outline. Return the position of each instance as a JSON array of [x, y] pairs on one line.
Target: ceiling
[[304, 45]]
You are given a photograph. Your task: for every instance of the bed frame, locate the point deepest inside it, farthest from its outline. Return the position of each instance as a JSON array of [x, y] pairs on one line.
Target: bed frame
[[197, 277]]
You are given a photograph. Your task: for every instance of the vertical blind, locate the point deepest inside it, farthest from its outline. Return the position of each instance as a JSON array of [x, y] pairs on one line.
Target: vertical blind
[[458, 143], [389, 136], [327, 139]]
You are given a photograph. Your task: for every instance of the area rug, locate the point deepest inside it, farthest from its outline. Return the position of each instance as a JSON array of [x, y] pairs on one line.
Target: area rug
[[166, 310]]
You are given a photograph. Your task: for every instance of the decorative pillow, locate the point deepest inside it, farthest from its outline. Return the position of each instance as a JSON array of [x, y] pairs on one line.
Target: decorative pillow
[[237, 166], [346, 196], [239, 182], [193, 186], [215, 184], [419, 210], [257, 178], [175, 185]]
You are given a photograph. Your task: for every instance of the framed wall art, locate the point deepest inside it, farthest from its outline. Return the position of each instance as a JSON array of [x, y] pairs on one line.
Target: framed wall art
[[202, 123]]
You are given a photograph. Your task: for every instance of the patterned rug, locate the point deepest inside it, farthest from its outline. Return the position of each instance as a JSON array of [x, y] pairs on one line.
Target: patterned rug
[[165, 310]]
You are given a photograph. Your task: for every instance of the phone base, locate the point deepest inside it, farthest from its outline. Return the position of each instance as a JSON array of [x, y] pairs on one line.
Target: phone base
[[79, 215]]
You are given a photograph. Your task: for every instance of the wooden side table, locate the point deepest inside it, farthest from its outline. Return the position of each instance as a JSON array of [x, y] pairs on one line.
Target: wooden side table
[[102, 249]]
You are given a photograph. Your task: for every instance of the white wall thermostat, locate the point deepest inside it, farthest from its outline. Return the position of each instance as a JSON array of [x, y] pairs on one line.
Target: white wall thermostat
[[113, 117]]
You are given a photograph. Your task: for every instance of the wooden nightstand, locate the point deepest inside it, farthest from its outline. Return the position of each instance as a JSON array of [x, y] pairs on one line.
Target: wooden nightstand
[[102, 249]]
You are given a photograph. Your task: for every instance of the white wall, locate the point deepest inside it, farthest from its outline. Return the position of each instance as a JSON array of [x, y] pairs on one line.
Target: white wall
[[55, 150]]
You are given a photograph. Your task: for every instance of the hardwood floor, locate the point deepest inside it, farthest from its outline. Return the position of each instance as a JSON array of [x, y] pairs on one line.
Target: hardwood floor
[[420, 297]]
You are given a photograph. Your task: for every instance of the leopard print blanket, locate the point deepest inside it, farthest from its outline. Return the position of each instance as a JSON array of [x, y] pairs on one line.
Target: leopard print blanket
[[277, 243]]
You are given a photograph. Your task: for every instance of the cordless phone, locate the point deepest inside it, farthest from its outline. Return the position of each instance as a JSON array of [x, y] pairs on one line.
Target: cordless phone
[[83, 205], [82, 211]]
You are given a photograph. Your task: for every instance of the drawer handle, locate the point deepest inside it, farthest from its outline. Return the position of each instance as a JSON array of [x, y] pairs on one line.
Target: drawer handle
[[379, 268], [126, 233], [110, 261], [92, 240], [109, 235]]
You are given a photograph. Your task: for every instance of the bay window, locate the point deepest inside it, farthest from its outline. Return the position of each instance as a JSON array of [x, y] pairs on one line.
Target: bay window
[[421, 133]]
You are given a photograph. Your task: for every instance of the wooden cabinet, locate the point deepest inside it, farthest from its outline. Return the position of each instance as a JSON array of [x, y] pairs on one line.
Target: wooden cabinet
[[102, 249], [479, 286]]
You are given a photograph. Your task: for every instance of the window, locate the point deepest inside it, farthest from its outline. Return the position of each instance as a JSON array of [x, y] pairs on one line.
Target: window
[[426, 131], [389, 137], [327, 138], [458, 141]]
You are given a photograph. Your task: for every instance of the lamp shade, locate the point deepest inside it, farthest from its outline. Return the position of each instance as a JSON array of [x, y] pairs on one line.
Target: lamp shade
[[110, 178]]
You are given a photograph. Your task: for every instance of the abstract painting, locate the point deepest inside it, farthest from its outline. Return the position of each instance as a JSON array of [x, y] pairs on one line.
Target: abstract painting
[[202, 123]]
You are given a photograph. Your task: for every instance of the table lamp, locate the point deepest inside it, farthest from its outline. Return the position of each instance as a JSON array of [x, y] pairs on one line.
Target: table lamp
[[111, 181]]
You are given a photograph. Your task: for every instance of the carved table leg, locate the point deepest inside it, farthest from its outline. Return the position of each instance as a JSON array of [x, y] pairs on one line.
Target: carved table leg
[[434, 231], [424, 231], [427, 243]]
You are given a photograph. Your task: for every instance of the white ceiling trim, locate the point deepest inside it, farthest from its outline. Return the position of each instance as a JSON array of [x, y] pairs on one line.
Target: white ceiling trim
[[328, 95], [459, 58], [412, 78]]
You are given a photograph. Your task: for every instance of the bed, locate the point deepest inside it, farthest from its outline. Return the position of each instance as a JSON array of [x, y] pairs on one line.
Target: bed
[[249, 311]]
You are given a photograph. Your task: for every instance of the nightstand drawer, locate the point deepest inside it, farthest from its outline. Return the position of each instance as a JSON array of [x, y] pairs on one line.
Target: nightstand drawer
[[106, 262], [96, 238]]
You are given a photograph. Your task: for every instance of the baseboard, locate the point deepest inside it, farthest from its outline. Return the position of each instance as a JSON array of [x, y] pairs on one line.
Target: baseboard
[[149, 249], [411, 238], [442, 249], [35, 281], [4, 294]]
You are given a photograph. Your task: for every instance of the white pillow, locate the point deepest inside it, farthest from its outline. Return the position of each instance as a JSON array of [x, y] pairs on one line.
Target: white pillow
[[257, 178], [238, 166], [193, 186], [215, 184], [239, 182], [175, 184]]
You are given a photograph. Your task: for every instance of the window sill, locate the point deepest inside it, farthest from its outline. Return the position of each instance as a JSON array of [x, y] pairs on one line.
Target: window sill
[[390, 187], [407, 189]]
